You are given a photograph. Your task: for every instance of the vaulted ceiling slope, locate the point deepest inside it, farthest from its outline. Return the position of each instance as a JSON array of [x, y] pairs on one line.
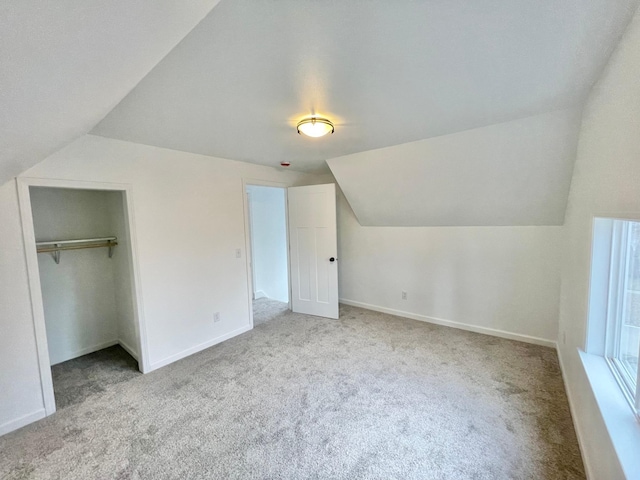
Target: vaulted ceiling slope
[[513, 173], [65, 64], [387, 72]]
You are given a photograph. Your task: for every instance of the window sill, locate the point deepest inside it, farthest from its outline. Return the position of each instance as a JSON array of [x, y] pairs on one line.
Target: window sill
[[621, 423]]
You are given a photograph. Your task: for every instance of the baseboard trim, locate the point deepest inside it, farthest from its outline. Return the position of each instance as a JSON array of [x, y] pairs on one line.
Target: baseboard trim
[[450, 323], [22, 421], [86, 351], [129, 350], [198, 348], [576, 421]]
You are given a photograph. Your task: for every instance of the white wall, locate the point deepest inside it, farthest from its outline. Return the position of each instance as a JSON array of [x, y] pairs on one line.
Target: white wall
[[606, 182], [499, 280], [21, 399], [189, 221], [79, 293], [269, 242], [123, 275]]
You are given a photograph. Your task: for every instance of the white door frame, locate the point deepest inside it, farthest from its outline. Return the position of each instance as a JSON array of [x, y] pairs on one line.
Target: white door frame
[[33, 273], [247, 235], [251, 245]]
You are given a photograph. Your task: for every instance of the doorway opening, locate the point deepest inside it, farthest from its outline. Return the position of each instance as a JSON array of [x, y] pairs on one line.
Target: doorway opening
[[82, 275], [268, 245]]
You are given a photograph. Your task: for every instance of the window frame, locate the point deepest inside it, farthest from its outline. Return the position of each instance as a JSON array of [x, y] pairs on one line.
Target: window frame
[[619, 259]]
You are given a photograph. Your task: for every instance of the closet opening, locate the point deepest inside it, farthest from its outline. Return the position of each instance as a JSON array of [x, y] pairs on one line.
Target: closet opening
[[269, 251], [82, 276]]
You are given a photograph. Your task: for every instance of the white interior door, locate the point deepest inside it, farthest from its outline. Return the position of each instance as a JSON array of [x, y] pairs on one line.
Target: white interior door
[[314, 248]]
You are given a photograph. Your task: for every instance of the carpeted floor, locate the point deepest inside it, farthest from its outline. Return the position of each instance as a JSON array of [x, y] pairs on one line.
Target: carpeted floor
[[369, 396], [76, 380]]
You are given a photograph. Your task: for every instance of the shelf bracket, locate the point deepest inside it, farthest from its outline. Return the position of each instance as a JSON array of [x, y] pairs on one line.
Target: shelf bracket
[[56, 255]]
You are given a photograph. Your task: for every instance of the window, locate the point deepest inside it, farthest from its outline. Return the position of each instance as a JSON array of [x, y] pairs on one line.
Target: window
[[622, 338]]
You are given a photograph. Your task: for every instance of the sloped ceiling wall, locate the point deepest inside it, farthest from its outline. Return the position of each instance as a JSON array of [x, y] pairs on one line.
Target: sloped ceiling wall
[[449, 101], [65, 64], [514, 173], [451, 79]]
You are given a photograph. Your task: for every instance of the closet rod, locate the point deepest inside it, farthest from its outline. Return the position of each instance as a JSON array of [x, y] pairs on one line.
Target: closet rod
[[80, 240], [56, 246]]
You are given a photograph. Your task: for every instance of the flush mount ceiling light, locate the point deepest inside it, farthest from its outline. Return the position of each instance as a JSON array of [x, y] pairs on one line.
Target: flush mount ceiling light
[[315, 127]]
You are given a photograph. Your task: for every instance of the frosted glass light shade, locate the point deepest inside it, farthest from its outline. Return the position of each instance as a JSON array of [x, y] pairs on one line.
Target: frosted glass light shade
[[315, 127]]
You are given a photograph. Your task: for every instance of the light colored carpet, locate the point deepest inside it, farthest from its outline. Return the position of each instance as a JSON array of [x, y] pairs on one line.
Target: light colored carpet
[[369, 396], [76, 380], [265, 309]]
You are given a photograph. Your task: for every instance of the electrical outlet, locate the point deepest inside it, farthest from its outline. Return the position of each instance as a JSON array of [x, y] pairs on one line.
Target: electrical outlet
[[238, 253], [216, 317], [404, 295]]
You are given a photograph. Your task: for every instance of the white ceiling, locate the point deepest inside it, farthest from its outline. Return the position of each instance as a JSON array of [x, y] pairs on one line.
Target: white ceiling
[[65, 64], [387, 72]]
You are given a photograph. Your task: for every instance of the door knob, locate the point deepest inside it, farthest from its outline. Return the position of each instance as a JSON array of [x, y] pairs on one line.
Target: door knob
[[332, 259]]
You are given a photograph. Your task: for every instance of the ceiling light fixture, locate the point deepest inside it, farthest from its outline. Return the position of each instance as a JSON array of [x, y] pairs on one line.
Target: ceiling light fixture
[[315, 126]]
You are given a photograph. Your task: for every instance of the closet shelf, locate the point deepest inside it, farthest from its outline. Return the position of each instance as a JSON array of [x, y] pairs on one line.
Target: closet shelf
[[56, 246]]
